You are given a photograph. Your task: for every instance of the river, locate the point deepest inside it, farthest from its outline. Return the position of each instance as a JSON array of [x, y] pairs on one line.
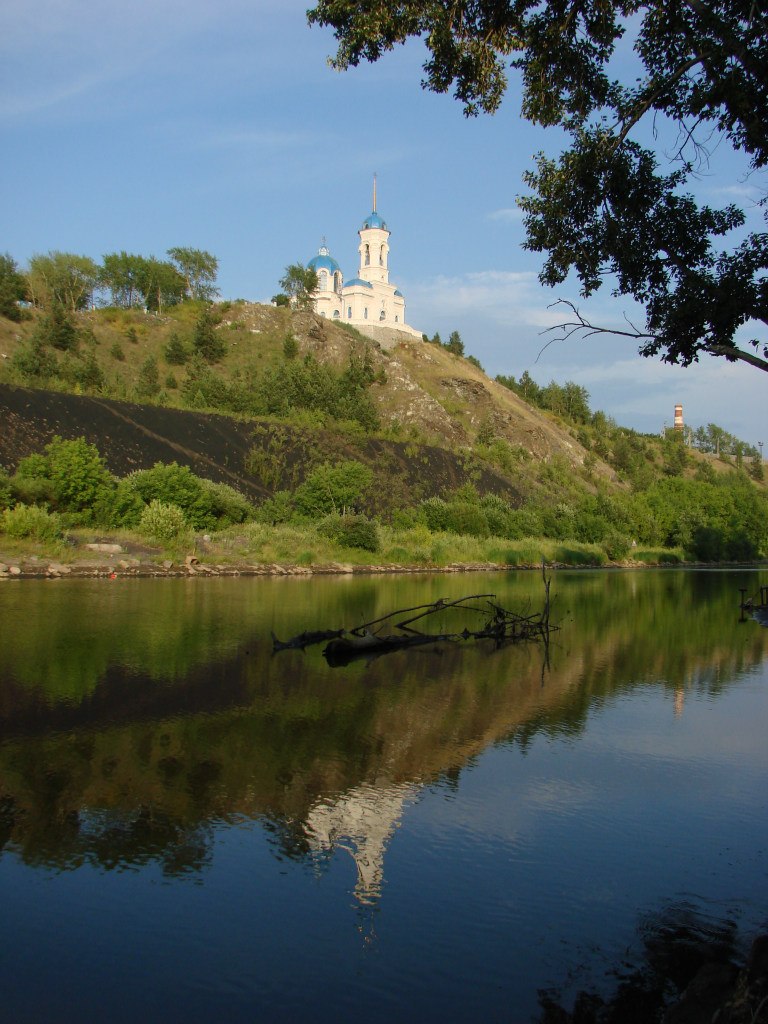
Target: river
[[193, 828]]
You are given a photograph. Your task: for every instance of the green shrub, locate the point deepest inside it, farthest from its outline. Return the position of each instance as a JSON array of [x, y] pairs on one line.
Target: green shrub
[[435, 513], [351, 531], [290, 347], [468, 519], [274, 510], [524, 522], [162, 521], [30, 521], [227, 505], [148, 381], [87, 373], [496, 512], [6, 490], [117, 352], [34, 362], [173, 484], [176, 352], [333, 488], [616, 545], [207, 341], [70, 474]]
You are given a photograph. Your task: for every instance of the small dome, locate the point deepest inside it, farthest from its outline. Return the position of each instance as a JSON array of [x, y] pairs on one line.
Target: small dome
[[324, 261], [373, 220], [398, 293], [357, 282]]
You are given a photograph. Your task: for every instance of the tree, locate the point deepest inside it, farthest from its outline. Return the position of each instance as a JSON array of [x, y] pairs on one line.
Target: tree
[[299, 283], [13, 288], [148, 381], [160, 283], [64, 278], [58, 329], [455, 344], [208, 343], [606, 208], [120, 273], [199, 269]]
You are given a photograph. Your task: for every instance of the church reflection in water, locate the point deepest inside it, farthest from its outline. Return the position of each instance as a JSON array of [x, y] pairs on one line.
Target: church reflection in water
[[361, 821]]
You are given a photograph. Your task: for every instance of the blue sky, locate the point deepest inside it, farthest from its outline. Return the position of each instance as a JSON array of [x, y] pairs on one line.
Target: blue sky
[[221, 127]]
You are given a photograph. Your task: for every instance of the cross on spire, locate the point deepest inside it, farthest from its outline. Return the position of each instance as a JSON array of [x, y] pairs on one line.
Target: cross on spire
[[374, 191]]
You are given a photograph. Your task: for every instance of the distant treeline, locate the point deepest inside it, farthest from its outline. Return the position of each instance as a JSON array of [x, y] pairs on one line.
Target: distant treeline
[[122, 279], [570, 402]]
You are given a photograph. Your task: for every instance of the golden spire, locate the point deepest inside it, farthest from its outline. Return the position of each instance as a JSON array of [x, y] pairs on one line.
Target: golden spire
[[374, 191]]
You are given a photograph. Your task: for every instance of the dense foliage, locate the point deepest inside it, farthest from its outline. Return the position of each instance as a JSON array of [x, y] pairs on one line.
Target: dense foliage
[[68, 484]]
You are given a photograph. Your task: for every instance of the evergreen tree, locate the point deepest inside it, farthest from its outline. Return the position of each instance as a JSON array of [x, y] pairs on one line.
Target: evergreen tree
[[207, 341]]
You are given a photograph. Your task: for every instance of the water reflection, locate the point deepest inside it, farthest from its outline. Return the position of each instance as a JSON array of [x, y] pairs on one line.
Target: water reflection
[[360, 821], [133, 719]]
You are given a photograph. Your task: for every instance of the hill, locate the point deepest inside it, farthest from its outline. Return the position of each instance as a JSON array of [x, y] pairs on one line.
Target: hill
[[430, 406], [267, 400]]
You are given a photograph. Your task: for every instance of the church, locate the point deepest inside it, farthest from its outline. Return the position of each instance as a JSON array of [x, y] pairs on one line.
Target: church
[[368, 301]]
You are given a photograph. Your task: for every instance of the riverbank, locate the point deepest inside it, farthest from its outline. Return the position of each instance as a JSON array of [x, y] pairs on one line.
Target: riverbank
[[109, 560]]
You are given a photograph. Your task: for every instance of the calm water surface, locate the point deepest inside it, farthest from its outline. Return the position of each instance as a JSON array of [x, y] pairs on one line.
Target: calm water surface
[[193, 829]]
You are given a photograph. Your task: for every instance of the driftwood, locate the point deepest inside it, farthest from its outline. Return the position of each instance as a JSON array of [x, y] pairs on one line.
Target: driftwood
[[370, 639], [305, 639]]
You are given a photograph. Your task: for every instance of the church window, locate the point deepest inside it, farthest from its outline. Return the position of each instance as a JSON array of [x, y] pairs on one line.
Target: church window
[[367, 255], [397, 318], [381, 257], [335, 314], [382, 315], [349, 312], [365, 313], [323, 280], [337, 282]]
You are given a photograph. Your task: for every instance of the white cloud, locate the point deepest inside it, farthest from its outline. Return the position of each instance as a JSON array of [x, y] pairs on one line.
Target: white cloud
[[507, 297], [507, 215]]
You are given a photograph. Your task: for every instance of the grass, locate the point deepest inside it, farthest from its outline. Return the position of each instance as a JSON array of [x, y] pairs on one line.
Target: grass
[[257, 543]]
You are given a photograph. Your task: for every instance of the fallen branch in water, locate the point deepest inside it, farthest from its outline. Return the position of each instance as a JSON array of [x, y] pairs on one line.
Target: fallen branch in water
[[500, 625]]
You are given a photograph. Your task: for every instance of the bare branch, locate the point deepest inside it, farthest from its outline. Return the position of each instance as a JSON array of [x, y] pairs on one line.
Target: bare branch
[[584, 328]]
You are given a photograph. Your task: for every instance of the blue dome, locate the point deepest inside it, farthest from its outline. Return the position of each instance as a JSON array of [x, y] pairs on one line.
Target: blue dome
[[357, 281], [373, 220], [324, 261], [399, 294]]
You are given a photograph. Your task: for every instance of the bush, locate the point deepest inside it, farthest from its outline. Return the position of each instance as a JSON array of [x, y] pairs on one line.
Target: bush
[[30, 521], [466, 518], [176, 352], [148, 381], [6, 491], [435, 513], [34, 362], [616, 545], [173, 484], [208, 343], [88, 374], [333, 488], [227, 505], [290, 347], [351, 531], [162, 521], [275, 510], [496, 512], [70, 474]]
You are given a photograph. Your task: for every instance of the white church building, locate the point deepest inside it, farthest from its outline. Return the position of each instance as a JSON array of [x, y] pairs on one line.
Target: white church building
[[368, 302]]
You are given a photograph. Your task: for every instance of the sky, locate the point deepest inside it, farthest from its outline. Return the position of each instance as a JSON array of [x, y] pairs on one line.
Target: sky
[[222, 127]]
